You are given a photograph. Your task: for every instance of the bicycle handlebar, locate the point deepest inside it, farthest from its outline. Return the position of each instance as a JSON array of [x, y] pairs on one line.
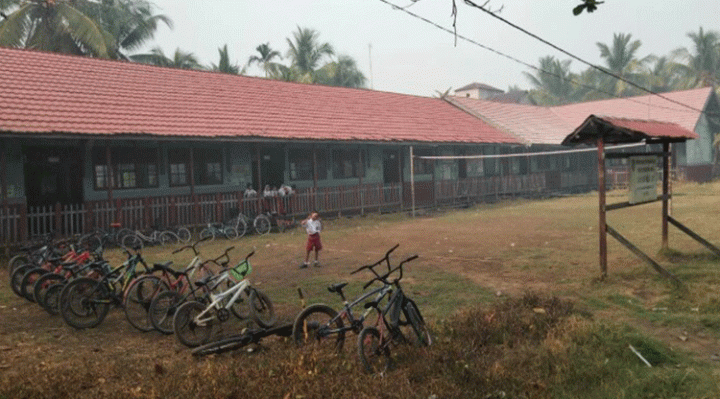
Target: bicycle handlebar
[[384, 258], [192, 246], [384, 277]]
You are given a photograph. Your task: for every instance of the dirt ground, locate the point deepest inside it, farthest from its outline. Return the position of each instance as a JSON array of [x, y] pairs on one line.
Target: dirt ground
[[505, 249]]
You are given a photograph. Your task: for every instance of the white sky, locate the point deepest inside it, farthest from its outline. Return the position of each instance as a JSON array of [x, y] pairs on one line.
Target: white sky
[[412, 57]]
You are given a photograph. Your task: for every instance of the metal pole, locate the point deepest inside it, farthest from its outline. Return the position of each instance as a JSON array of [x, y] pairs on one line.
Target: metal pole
[[315, 178], [666, 193], [602, 224], [412, 179]]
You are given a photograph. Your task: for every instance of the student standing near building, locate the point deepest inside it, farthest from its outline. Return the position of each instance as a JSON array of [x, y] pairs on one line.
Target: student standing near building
[[313, 227]]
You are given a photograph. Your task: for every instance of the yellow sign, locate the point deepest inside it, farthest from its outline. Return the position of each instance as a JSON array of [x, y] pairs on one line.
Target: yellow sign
[[643, 179]]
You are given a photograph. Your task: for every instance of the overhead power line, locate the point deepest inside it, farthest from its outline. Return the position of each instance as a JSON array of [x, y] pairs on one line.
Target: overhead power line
[[573, 56], [533, 67]]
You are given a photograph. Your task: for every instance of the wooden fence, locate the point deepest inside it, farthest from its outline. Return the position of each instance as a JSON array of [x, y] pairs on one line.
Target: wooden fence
[[19, 223]]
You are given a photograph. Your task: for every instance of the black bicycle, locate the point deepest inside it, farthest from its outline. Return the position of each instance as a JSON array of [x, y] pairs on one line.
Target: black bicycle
[[320, 328], [374, 341]]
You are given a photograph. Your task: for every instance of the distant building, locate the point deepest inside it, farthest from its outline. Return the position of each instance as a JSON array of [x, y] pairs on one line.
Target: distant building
[[481, 91], [478, 91]]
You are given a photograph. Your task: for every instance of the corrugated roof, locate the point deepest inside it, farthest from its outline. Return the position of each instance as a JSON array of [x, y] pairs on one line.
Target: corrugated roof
[[54, 93], [550, 125], [625, 130]]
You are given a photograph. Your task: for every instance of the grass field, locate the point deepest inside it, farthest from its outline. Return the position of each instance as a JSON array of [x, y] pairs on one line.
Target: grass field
[[511, 291]]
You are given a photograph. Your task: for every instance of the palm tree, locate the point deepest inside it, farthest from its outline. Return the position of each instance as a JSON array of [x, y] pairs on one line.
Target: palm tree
[[553, 82], [130, 23], [306, 53], [343, 72], [703, 63], [181, 59], [52, 25], [620, 59], [224, 64], [664, 75], [265, 60]]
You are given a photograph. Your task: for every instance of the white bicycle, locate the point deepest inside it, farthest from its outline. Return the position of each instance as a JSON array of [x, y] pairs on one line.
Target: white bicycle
[[194, 320]]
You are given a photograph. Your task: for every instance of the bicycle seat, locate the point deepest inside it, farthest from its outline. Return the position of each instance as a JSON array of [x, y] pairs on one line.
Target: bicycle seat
[[337, 287], [371, 304]]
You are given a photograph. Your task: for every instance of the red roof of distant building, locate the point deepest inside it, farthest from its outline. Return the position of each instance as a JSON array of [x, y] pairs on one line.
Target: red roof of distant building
[[623, 130], [54, 93], [550, 125]]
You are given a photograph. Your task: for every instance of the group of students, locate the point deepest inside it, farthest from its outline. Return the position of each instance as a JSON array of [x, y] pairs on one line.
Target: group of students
[[270, 191]]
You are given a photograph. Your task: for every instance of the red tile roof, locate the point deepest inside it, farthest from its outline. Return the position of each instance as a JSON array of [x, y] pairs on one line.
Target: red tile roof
[[622, 130], [52, 93], [550, 125]]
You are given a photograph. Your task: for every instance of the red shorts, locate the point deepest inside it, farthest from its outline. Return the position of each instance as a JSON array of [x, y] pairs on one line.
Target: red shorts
[[313, 241]]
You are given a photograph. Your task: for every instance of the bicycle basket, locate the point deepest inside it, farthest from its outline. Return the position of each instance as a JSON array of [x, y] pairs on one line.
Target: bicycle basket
[[241, 270]]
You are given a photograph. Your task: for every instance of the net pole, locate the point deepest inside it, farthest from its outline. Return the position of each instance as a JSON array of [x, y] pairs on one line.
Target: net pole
[[412, 180]]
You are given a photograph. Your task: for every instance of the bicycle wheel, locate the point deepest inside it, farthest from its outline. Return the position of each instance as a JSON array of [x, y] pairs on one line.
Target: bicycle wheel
[[132, 241], [85, 303], [241, 307], [162, 310], [261, 309], [241, 226], [27, 284], [206, 234], [184, 235], [91, 242], [51, 300], [262, 224], [422, 334], [137, 301], [187, 330], [17, 261], [168, 238], [16, 278], [230, 233], [43, 284], [313, 330], [374, 355]]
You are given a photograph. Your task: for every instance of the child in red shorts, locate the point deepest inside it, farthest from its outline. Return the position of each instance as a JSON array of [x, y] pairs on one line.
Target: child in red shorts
[[313, 227]]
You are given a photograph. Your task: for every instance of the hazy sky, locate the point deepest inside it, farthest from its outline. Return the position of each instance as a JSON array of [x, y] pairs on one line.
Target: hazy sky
[[410, 56]]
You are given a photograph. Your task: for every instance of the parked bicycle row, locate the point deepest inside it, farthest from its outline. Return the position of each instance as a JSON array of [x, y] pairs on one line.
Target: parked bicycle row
[[236, 227], [82, 287]]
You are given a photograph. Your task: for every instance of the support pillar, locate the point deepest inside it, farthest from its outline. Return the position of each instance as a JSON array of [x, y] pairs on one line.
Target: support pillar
[[602, 222], [666, 193]]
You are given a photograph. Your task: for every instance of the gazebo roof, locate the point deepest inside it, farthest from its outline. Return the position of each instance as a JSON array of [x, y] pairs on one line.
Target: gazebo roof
[[621, 130]]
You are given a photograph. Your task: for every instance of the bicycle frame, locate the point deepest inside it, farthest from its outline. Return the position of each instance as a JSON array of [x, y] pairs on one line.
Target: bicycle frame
[[347, 313], [233, 293]]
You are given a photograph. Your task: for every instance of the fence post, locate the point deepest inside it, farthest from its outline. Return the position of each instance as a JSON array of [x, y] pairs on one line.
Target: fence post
[[172, 212], [218, 208], [89, 217], [196, 210], [146, 212], [58, 220], [118, 211]]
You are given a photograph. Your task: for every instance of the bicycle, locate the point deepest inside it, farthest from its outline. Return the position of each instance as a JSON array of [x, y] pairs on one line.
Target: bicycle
[[164, 305], [315, 325], [194, 320], [374, 341], [85, 302], [138, 239], [218, 230]]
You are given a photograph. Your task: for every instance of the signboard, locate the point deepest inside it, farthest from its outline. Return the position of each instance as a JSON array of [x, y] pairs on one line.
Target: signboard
[[643, 179]]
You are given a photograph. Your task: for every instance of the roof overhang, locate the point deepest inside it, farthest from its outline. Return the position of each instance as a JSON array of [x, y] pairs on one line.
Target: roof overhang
[[620, 131]]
